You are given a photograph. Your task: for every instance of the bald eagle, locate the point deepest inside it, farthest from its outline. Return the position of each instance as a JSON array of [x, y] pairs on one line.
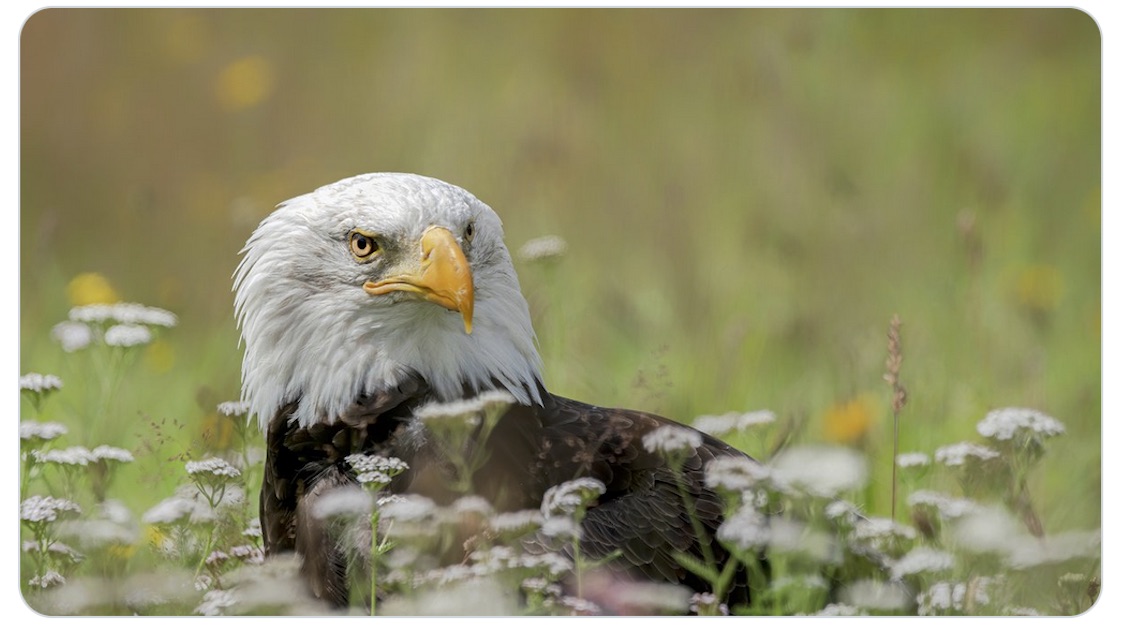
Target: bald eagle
[[368, 299]]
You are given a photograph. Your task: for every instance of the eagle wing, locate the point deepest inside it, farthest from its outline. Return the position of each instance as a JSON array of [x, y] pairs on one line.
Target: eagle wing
[[647, 508]]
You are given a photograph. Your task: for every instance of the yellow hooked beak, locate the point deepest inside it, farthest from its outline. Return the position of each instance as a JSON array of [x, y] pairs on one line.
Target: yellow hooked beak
[[442, 276]]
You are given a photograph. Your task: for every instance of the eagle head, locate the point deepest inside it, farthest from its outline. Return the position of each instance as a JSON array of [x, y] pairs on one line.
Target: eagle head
[[351, 288]]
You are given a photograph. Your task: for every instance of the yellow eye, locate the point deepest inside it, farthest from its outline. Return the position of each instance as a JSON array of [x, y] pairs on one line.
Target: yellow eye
[[362, 245], [470, 232]]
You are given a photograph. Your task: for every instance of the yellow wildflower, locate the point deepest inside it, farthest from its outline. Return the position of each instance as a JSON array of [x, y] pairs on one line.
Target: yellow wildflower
[[848, 422], [244, 83], [90, 288]]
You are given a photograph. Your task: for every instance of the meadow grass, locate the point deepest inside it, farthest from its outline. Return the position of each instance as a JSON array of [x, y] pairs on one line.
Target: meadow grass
[[746, 198]]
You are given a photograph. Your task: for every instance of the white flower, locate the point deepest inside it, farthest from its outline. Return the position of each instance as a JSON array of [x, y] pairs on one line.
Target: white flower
[[672, 440], [50, 578], [110, 453], [921, 559], [41, 430], [212, 466], [1026, 552], [1004, 424], [562, 528], [844, 510], [189, 504], [880, 529], [233, 409], [949, 507], [248, 553], [735, 474], [94, 533], [822, 471], [876, 595], [126, 335], [169, 510], [959, 453], [466, 411], [73, 456], [987, 529], [38, 383], [375, 468], [542, 248], [719, 425], [515, 523], [342, 502], [253, 529], [37, 508], [838, 609], [471, 506], [125, 313], [215, 601], [410, 508], [912, 460], [567, 497], [746, 529], [72, 336], [945, 596], [57, 548]]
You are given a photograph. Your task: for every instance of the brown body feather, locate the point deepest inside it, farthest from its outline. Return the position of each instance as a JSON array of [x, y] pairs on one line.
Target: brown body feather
[[642, 513]]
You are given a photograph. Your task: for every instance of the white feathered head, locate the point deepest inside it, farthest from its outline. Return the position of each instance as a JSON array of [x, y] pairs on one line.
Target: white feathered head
[[350, 288]]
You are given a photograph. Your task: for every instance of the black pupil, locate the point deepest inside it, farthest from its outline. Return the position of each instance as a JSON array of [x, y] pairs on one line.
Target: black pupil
[[361, 243]]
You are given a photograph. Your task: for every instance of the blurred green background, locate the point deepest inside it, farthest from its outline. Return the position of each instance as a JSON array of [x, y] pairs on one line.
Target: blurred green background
[[748, 196]]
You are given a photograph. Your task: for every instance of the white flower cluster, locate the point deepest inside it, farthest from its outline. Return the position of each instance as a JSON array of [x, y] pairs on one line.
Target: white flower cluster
[[945, 596], [746, 529], [38, 383], [466, 411], [41, 430], [49, 579], [672, 439], [73, 456], [126, 336], [343, 503], [233, 409], [735, 473], [130, 328], [821, 471], [719, 425], [921, 559], [959, 454], [1026, 552], [213, 466], [124, 313], [38, 508], [881, 529], [1004, 424], [543, 248], [912, 460], [375, 469], [570, 496], [516, 523], [408, 509], [187, 504], [949, 507], [215, 603], [111, 453], [72, 336], [876, 595]]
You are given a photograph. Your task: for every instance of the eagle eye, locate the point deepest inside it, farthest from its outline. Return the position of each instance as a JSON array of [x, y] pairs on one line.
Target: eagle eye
[[362, 245], [470, 231]]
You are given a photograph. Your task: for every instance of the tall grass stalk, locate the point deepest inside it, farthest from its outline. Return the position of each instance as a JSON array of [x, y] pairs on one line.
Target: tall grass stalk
[[893, 378]]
